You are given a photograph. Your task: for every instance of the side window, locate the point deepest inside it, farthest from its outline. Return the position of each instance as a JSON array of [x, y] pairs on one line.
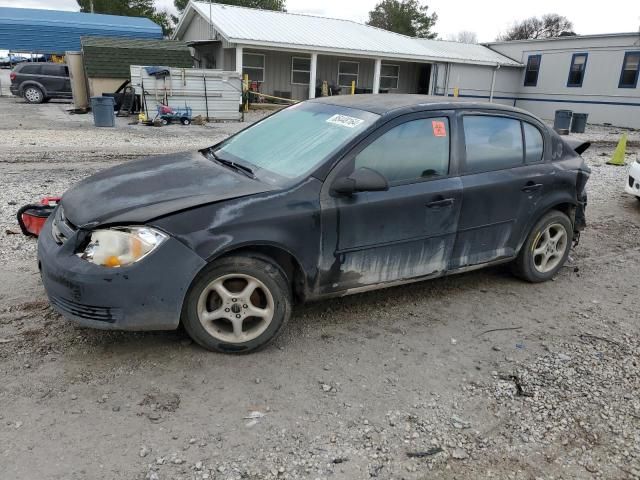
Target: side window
[[534, 145], [533, 68], [53, 70], [577, 69], [30, 69], [630, 70], [492, 143], [410, 151]]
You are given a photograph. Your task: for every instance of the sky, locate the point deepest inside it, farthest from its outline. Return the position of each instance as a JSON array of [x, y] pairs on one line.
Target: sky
[[486, 18]]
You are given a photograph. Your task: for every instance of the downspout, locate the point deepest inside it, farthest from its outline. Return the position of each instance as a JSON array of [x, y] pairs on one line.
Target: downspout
[[493, 82]]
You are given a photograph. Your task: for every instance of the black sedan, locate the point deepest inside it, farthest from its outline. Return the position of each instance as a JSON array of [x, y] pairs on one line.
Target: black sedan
[[325, 198]]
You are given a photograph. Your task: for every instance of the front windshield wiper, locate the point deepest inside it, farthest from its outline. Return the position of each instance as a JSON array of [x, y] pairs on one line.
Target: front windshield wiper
[[235, 165]]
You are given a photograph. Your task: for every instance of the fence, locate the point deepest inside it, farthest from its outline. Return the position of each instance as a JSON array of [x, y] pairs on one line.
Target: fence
[[213, 94]]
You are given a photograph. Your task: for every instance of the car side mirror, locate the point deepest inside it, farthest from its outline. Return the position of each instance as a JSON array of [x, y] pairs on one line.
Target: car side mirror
[[362, 180]]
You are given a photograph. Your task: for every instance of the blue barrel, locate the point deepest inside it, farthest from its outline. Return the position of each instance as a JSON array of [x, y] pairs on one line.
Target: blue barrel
[[562, 121], [103, 111], [579, 123]]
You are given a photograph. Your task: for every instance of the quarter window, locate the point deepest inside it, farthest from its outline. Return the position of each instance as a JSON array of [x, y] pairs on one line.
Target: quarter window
[[347, 73], [253, 65], [533, 69], [630, 70], [300, 70], [389, 76], [534, 145], [492, 143], [577, 69], [410, 151]]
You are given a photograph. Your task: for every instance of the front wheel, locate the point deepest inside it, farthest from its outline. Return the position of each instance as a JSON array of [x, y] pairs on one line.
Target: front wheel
[[237, 305], [546, 249]]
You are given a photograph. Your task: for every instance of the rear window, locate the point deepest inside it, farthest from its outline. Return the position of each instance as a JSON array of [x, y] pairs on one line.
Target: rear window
[[30, 69], [492, 143]]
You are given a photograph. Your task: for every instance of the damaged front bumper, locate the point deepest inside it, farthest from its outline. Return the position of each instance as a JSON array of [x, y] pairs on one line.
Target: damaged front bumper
[[147, 295]]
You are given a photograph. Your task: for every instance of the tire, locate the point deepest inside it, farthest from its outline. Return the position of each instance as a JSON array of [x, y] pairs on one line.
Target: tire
[[33, 94], [185, 121], [540, 245], [226, 292], [165, 121]]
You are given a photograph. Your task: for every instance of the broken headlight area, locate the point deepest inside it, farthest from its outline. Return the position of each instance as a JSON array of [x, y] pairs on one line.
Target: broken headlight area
[[121, 246]]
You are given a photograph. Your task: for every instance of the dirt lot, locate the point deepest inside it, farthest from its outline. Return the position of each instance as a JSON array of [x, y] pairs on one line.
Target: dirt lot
[[473, 376]]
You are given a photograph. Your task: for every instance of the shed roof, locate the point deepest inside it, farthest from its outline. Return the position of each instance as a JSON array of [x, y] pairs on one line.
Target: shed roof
[[266, 28], [112, 57], [54, 31]]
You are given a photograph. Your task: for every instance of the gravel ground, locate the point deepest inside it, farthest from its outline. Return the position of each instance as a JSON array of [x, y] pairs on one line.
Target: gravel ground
[[472, 376]]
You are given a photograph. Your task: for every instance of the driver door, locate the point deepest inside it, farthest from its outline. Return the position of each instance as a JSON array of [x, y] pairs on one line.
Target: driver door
[[405, 232]]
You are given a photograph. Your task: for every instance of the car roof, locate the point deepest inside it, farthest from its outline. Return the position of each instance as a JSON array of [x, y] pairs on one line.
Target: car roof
[[392, 102], [22, 64]]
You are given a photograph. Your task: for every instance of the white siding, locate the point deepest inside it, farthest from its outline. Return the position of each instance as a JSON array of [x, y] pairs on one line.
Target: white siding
[[197, 29]]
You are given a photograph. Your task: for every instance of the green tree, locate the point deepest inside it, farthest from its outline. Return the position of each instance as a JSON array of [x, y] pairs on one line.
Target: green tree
[[408, 17], [550, 25], [129, 8], [263, 4]]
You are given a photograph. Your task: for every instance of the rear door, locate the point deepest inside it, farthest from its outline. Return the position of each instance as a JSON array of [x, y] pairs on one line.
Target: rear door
[[54, 79], [405, 232], [502, 181]]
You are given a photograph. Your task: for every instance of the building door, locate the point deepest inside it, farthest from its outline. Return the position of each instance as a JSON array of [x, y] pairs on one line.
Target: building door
[[424, 78]]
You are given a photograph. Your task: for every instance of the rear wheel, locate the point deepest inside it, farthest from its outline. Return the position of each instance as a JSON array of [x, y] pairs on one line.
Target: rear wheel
[[237, 305], [185, 121], [33, 94], [546, 249]]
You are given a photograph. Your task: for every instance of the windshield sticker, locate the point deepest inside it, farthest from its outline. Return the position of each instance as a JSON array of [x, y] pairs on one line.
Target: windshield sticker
[[439, 129], [344, 121]]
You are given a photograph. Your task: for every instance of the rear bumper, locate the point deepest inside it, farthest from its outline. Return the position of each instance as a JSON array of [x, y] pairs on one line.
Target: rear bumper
[[145, 296], [632, 185], [15, 90]]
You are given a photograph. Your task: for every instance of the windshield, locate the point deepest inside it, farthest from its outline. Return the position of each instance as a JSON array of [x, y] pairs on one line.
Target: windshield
[[294, 141]]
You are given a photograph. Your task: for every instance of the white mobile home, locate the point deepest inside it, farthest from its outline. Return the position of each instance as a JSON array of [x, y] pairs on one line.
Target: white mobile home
[[291, 55], [594, 74]]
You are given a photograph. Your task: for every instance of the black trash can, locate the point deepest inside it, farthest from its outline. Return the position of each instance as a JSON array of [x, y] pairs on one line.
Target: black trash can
[[103, 113], [579, 122], [562, 121]]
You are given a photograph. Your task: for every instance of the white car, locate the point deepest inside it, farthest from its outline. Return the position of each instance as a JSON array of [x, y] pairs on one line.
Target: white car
[[633, 182]]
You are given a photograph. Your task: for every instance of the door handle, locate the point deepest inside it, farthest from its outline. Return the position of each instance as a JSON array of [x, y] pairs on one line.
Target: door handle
[[445, 202], [531, 187]]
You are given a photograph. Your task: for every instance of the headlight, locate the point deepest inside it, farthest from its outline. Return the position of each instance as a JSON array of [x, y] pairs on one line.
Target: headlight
[[121, 246]]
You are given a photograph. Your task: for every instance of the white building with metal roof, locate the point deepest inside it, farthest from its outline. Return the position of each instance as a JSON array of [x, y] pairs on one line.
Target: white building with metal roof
[[291, 55]]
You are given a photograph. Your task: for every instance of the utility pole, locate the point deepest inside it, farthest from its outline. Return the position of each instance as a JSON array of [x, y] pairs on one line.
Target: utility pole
[[210, 24], [91, 5]]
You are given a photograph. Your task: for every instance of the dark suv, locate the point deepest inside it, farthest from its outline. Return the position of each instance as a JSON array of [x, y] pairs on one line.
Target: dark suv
[[40, 82]]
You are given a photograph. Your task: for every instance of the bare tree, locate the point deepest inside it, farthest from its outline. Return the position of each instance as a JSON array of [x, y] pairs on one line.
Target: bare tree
[[550, 25], [463, 36]]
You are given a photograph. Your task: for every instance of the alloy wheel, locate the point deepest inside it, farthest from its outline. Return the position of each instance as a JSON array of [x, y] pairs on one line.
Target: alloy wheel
[[235, 308], [550, 247], [33, 95]]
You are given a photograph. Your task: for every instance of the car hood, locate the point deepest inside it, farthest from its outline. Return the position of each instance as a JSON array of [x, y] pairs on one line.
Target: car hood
[[141, 190]]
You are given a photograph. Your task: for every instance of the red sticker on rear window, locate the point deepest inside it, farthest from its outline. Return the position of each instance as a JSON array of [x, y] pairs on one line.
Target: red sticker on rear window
[[439, 128]]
